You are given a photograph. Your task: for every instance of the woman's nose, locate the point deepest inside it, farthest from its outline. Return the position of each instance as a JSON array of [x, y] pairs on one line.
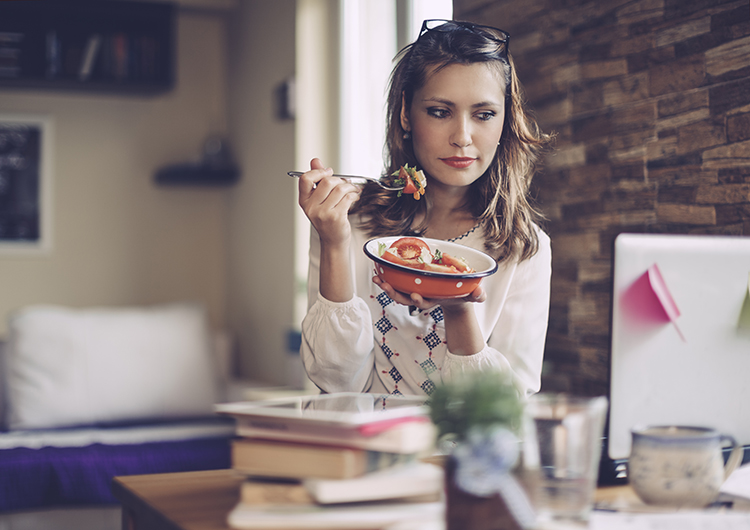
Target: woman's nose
[[461, 136]]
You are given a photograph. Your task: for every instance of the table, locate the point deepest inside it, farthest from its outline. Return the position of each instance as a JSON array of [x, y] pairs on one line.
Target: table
[[194, 500], [201, 500]]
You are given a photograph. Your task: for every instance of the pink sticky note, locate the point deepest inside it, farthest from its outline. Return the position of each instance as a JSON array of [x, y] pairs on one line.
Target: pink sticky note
[[744, 321], [662, 293], [649, 301]]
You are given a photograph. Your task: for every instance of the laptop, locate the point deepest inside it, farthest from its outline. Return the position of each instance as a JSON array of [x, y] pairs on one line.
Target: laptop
[[680, 338]]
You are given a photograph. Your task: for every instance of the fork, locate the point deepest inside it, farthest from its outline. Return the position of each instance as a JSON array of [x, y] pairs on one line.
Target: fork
[[354, 179]]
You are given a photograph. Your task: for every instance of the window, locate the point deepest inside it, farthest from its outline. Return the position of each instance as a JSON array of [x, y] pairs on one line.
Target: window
[[370, 33]]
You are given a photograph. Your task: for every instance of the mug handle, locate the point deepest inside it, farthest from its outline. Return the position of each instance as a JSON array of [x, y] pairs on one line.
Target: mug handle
[[735, 457]]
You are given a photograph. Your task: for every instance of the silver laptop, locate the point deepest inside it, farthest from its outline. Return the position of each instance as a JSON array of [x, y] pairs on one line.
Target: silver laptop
[[680, 335]]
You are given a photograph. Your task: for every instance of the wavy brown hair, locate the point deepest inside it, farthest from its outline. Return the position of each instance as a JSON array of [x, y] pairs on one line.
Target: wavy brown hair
[[499, 199]]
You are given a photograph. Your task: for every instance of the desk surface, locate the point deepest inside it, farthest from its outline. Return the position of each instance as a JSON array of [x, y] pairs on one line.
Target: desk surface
[[196, 500], [201, 500]]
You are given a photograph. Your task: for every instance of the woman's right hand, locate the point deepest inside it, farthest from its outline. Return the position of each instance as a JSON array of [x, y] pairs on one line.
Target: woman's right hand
[[326, 201]]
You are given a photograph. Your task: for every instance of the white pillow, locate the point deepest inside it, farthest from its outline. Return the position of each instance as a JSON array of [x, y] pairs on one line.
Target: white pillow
[[67, 367], [2, 385]]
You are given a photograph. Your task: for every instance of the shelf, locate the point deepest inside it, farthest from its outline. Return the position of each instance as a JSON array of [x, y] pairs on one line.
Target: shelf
[[87, 45], [197, 175]]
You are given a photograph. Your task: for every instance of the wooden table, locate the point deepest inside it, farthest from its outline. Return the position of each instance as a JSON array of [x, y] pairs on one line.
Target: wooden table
[[201, 500], [195, 500]]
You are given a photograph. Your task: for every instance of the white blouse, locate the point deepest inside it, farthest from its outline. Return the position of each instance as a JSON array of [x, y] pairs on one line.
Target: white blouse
[[373, 344]]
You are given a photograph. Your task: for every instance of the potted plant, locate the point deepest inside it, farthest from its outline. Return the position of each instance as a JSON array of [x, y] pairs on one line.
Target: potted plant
[[478, 418]]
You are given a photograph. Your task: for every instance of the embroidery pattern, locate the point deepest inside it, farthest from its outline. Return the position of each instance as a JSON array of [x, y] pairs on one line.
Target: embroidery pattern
[[428, 366], [383, 299], [432, 339], [428, 386], [391, 319], [462, 236], [384, 325]]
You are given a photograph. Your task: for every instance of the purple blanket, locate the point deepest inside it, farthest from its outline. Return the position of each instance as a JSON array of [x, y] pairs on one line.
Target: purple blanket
[[30, 478]]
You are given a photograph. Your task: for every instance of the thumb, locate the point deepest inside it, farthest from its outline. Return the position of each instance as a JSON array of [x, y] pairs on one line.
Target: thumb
[[315, 163]]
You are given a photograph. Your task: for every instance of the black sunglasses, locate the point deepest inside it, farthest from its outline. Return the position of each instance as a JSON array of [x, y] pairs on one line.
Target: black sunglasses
[[446, 26], [495, 34]]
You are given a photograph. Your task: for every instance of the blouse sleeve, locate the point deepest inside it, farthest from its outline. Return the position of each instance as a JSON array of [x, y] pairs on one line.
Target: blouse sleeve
[[516, 343], [337, 341]]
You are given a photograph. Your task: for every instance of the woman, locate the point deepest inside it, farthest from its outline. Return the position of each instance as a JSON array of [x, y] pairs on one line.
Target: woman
[[456, 113]]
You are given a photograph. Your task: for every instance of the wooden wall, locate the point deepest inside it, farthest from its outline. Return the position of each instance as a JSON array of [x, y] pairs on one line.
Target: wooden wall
[[650, 100]]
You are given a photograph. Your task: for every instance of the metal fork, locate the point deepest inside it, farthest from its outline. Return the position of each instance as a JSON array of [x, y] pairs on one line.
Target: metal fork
[[355, 179]]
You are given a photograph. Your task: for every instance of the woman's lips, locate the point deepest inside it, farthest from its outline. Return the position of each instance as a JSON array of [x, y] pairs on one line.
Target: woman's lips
[[458, 162]]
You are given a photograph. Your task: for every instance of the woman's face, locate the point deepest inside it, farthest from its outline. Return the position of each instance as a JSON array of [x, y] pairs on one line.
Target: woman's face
[[456, 120]]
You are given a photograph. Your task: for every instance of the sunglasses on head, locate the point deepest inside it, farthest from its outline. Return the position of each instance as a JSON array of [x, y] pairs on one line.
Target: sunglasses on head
[[447, 26]]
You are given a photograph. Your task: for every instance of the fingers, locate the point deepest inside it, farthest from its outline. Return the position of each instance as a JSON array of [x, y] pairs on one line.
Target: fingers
[[326, 201], [319, 186], [309, 180], [412, 299], [479, 295]]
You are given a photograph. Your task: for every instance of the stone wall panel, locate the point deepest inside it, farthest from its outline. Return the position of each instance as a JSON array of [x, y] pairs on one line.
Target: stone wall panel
[[650, 101]]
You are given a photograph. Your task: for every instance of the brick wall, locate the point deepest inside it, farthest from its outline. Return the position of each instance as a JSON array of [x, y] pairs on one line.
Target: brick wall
[[651, 103]]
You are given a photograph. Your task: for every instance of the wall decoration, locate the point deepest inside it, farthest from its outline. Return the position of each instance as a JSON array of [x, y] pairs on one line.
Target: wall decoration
[[25, 184]]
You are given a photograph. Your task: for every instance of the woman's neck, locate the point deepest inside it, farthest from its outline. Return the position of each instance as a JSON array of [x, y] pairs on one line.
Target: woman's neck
[[447, 214]]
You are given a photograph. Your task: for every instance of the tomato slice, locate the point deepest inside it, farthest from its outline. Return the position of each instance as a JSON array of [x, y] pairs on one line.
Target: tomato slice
[[412, 263], [414, 181], [410, 187], [451, 261], [446, 269], [411, 248]]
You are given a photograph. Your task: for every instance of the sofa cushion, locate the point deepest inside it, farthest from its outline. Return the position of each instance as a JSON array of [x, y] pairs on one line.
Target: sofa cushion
[[69, 367], [2, 386]]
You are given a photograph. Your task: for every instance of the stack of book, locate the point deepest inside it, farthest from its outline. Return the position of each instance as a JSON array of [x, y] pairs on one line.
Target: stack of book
[[334, 461]]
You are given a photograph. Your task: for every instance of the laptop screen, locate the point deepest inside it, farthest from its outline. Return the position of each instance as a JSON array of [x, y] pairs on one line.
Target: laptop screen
[[680, 335]]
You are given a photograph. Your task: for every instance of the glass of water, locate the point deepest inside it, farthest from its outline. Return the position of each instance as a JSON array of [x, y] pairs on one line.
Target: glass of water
[[562, 440]]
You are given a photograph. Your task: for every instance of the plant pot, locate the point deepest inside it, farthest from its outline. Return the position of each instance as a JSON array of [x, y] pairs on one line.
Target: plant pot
[[465, 511]]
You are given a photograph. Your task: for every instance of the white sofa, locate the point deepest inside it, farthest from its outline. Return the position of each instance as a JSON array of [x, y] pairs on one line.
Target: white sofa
[[88, 394]]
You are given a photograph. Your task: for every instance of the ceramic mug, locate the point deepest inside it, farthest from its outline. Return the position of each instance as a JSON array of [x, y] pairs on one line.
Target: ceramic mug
[[680, 466]]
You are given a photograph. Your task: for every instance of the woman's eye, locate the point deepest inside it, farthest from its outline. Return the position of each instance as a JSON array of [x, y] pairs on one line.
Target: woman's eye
[[437, 113], [485, 116]]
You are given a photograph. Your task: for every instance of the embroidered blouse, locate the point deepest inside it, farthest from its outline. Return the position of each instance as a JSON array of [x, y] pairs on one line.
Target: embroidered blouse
[[372, 344]]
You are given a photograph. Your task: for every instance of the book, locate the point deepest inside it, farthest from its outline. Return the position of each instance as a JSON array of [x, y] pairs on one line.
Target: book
[[10, 53], [407, 437], [300, 460], [274, 491], [414, 480], [350, 517], [394, 424], [89, 56], [255, 491], [404, 494]]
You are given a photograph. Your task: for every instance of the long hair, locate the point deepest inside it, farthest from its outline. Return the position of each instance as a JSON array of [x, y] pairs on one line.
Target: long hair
[[499, 199]]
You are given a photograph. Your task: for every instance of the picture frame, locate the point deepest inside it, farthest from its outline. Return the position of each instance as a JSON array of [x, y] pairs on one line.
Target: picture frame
[[25, 184]]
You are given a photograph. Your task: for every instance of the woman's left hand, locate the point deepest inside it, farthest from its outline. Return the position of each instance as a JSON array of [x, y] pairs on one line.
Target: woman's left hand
[[478, 295]]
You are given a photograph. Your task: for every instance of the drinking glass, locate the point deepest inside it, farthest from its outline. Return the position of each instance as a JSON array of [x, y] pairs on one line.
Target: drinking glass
[[562, 442]]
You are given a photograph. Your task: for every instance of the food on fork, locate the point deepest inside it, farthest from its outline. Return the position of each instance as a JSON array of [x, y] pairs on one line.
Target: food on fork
[[414, 253], [414, 181]]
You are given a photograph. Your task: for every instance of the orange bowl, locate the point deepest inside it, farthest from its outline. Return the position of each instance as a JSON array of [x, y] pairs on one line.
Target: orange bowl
[[432, 284]]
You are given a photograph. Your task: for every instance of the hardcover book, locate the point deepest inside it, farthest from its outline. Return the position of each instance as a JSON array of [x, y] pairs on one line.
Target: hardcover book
[[273, 458], [395, 424]]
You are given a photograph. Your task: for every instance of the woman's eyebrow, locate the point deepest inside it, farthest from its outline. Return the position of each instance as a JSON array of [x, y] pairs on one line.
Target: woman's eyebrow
[[487, 104], [446, 102], [449, 103]]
